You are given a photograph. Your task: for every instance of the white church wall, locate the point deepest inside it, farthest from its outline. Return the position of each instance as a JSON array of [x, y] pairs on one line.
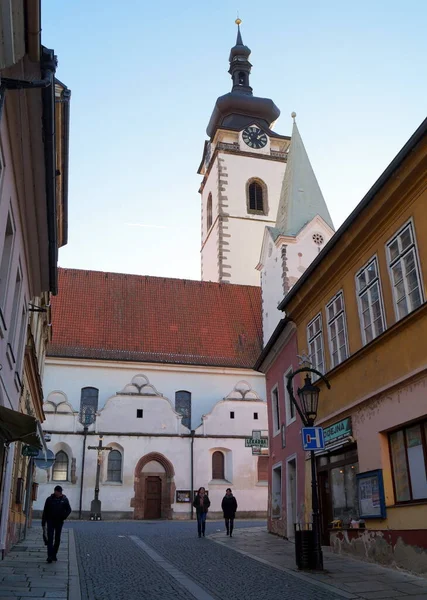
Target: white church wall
[[206, 384], [157, 415], [301, 252], [215, 393], [240, 169], [209, 258], [272, 289], [244, 244]]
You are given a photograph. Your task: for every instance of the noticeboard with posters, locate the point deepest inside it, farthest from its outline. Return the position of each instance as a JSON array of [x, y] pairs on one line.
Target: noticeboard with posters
[[371, 497]]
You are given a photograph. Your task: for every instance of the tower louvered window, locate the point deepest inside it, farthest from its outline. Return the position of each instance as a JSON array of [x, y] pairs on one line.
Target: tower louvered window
[[256, 197], [209, 213]]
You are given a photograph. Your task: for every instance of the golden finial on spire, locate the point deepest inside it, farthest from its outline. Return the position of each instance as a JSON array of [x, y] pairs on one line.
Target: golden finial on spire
[[238, 21]]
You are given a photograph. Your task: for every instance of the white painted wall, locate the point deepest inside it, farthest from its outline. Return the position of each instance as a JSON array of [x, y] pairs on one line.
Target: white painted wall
[[206, 384], [300, 253], [272, 288], [118, 416], [246, 230], [240, 169]]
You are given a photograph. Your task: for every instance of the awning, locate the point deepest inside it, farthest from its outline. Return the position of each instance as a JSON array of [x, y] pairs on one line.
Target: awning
[[15, 426]]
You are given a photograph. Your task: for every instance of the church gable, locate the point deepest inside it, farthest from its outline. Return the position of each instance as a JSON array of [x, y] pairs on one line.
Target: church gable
[[139, 408], [241, 411]]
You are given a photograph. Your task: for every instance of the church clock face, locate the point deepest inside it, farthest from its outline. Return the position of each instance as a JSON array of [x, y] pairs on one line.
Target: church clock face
[[254, 137]]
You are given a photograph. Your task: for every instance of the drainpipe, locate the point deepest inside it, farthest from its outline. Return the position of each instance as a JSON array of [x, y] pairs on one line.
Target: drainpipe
[[83, 470], [192, 474], [28, 495]]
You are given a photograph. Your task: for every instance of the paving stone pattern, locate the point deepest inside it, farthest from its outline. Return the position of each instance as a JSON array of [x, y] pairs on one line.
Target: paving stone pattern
[[25, 574], [356, 578], [113, 567]]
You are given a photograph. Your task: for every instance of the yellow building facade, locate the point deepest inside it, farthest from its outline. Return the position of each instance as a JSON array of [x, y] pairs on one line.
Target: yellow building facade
[[361, 316]]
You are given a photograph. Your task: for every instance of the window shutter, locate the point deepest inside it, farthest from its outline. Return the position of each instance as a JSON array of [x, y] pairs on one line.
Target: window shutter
[[262, 468], [218, 465]]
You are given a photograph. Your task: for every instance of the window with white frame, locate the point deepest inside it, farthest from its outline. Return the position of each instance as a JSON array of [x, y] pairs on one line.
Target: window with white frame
[[315, 344], [337, 330], [405, 271], [289, 405], [370, 301], [60, 467], [275, 408], [114, 466], [6, 258]]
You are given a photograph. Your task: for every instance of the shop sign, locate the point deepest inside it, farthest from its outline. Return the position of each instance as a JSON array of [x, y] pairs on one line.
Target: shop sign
[[263, 442], [337, 431], [29, 451]]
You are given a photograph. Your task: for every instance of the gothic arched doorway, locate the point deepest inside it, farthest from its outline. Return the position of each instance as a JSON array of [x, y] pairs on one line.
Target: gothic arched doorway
[[154, 487]]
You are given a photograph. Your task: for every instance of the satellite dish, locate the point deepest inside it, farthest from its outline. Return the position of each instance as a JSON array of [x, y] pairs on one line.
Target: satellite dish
[[44, 463]]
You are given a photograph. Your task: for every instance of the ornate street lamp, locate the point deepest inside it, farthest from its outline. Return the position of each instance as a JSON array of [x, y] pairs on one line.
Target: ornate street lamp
[[309, 400], [307, 410]]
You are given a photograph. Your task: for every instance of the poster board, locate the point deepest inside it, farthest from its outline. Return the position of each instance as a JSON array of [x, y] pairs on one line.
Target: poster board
[[370, 489]]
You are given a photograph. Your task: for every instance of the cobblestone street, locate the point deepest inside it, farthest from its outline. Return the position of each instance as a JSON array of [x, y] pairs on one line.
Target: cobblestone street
[[165, 559], [114, 567]]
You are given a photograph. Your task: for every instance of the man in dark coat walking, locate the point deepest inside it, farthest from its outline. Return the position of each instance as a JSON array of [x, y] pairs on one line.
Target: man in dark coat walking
[[229, 507], [56, 510]]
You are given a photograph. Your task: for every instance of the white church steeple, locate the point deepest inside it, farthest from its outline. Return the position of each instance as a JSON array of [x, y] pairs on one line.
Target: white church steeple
[[301, 198], [302, 228], [242, 167]]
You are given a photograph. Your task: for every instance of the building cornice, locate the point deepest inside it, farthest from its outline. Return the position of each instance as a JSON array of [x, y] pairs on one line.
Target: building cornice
[[132, 366]]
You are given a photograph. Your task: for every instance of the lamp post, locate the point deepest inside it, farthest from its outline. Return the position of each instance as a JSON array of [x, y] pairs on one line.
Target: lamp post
[[307, 410]]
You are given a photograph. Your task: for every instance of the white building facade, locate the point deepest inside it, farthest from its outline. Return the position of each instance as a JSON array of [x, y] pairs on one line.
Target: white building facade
[[156, 461]]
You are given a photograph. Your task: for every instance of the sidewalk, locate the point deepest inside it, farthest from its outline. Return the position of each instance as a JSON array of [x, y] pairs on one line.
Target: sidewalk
[[345, 577], [25, 574]]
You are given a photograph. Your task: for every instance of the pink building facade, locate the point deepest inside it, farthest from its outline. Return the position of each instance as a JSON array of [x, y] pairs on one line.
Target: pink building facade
[[286, 473]]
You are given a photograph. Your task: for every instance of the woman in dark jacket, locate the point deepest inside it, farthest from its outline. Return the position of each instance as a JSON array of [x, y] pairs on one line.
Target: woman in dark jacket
[[229, 507], [201, 504]]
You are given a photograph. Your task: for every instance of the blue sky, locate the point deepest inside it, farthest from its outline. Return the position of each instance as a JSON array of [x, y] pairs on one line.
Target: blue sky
[[145, 76]]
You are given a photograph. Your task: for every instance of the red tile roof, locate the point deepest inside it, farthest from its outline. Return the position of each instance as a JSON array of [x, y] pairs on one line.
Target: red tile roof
[[113, 316]]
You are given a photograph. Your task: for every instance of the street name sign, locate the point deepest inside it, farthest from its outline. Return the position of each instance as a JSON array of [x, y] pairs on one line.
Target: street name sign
[[313, 438]]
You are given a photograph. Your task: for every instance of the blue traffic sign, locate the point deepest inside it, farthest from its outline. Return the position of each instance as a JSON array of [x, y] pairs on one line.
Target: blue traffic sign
[[313, 438]]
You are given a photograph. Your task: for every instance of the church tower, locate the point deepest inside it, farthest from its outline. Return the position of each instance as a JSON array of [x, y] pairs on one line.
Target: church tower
[[243, 165]]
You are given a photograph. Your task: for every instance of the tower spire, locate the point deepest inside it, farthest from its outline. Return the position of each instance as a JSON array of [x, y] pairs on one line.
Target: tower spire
[[239, 41], [301, 198], [240, 67]]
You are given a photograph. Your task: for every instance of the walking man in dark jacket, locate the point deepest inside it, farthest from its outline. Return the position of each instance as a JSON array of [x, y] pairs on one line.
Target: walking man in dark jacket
[[56, 510], [229, 507]]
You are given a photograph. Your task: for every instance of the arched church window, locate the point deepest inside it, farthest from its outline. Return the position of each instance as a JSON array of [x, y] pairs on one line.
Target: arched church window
[[183, 406], [88, 405], [60, 467], [218, 464], [209, 213], [242, 78], [114, 467], [257, 196]]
